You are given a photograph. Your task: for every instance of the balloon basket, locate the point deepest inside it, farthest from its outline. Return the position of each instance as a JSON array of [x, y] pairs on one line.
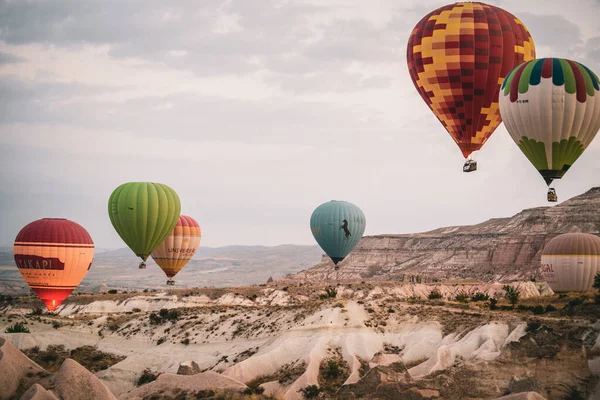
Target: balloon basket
[[142, 265], [551, 196], [170, 282], [470, 166]]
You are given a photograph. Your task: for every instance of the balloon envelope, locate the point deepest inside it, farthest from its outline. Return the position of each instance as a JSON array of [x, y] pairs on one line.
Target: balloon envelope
[[551, 109], [179, 247], [570, 261], [457, 57], [337, 226], [53, 255], [143, 214]]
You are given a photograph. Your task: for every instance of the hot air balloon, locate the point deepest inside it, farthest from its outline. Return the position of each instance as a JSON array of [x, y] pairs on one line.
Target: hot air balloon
[[457, 57], [551, 109], [178, 248], [53, 255], [143, 214], [337, 226], [571, 261]]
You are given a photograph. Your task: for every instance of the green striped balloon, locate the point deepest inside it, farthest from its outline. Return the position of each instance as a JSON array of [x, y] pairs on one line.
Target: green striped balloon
[[551, 109], [143, 214], [337, 226]]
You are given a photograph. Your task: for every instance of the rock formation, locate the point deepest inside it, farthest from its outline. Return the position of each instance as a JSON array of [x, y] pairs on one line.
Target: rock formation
[[188, 368], [74, 382], [37, 392], [168, 384], [500, 249], [16, 370]]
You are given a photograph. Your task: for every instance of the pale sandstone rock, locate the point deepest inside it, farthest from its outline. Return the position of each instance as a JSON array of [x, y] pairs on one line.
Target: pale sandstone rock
[[167, 383], [37, 392], [74, 382], [188, 368], [523, 396], [15, 368]]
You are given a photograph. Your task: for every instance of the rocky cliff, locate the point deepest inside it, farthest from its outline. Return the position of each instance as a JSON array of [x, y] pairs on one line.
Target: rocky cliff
[[377, 340], [501, 249]]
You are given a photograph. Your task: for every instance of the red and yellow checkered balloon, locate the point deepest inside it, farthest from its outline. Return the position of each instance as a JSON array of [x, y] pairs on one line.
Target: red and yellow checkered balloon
[[458, 56]]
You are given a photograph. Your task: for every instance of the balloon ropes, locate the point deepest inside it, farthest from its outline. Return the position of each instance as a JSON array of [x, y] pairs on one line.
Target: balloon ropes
[[458, 56], [143, 214], [53, 255]]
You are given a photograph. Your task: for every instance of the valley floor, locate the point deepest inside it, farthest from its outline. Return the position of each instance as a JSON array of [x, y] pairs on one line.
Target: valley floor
[[380, 340]]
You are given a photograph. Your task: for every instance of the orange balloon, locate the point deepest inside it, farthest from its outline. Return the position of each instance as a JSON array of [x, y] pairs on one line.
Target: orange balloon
[[179, 247], [53, 255]]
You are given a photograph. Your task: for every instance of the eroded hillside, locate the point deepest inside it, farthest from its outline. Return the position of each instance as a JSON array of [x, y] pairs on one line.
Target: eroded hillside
[[502, 249], [365, 340]]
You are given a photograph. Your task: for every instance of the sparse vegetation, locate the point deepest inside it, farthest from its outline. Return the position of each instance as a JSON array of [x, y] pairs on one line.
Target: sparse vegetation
[[332, 369], [310, 391], [479, 296], [330, 293], [462, 297], [511, 294], [539, 309], [147, 377], [7, 299], [333, 372], [290, 372], [112, 291], [137, 310], [254, 387], [572, 303], [434, 295], [596, 284], [163, 316], [17, 328], [36, 312], [88, 356], [493, 304]]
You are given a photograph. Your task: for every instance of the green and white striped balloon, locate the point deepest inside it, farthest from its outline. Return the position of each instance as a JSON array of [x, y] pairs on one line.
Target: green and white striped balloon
[[551, 109]]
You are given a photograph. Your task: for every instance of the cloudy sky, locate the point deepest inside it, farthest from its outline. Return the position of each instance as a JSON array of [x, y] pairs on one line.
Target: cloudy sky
[[255, 112]]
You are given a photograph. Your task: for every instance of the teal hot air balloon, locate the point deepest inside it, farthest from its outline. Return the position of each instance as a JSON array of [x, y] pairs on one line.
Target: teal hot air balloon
[[337, 226], [143, 214]]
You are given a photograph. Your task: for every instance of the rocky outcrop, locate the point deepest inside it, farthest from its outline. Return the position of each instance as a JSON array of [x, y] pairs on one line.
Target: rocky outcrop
[[74, 382], [501, 249], [16, 371], [536, 364], [188, 368], [169, 384], [523, 396], [37, 392]]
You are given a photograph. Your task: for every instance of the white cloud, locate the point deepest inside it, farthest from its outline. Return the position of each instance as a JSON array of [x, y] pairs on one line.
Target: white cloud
[[256, 111]]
